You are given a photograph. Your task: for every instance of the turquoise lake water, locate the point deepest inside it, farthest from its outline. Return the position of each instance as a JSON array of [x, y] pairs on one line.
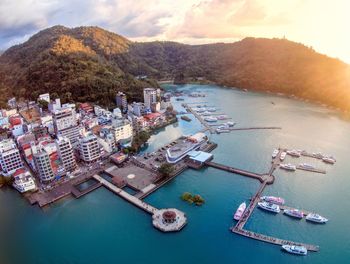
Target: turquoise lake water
[[103, 228]]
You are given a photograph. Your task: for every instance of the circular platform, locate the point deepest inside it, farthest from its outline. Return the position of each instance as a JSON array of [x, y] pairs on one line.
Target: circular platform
[[169, 220]]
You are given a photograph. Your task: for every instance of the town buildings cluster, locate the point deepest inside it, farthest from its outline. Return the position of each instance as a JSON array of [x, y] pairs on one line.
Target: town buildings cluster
[[40, 145]]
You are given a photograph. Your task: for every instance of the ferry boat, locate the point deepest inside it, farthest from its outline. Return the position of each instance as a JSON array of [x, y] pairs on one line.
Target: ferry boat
[[275, 153], [288, 166], [237, 216], [294, 213], [294, 153], [329, 160], [297, 250], [211, 119], [306, 166], [222, 117], [274, 208], [312, 217], [283, 156], [273, 199]]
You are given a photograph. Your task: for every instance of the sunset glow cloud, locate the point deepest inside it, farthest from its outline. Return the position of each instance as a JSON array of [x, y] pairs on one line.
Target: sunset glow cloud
[[319, 23]]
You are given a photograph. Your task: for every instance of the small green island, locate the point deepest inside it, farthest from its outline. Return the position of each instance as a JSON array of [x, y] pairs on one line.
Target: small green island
[[196, 199]]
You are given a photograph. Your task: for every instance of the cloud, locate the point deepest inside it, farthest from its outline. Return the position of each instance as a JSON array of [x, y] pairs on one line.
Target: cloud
[[132, 18]]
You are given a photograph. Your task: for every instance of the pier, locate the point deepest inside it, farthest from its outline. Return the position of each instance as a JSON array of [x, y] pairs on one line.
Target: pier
[[239, 227], [130, 198], [273, 240], [265, 179], [199, 117], [260, 177], [312, 170]]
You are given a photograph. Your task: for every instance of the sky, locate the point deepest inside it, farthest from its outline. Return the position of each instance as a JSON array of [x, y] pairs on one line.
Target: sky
[[322, 24]]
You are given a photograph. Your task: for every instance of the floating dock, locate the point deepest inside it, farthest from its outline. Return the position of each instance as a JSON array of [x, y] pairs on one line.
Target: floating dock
[[265, 179]]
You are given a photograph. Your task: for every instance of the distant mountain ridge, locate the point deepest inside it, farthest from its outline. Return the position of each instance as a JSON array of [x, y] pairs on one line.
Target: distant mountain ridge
[[91, 64]]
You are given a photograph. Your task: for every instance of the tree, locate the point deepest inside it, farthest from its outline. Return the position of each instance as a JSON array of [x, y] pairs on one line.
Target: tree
[[166, 169], [43, 104]]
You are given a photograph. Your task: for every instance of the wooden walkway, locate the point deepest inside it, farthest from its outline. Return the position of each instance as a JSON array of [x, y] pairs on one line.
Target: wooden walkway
[[253, 128], [199, 117], [130, 198], [273, 240], [239, 227], [312, 170], [235, 170]]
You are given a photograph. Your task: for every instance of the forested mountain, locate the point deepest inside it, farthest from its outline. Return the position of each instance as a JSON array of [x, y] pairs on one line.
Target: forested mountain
[[91, 64]]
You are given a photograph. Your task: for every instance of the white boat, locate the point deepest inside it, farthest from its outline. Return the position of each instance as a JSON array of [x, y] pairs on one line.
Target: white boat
[[273, 199], [275, 153], [306, 166], [288, 166], [211, 109], [222, 117], [294, 213], [329, 160], [274, 208], [283, 156], [210, 119], [294, 153], [206, 113], [230, 124], [297, 250], [222, 130], [316, 218], [237, 216]]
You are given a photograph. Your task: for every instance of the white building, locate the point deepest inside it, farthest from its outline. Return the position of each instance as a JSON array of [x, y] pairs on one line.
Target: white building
[[64, 118], [42, 164], [55, 105], [107, 142], [65, 123], [10, 158], [45, 97], [66, 153], [23, 181], [122, 130], [89, 148], [138, 109], [149, 97]]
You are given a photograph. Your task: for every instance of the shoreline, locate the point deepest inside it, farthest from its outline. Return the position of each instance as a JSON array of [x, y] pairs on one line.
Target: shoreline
[[293, 97]]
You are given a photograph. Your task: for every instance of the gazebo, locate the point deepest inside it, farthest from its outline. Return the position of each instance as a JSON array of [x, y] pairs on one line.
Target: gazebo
[[169, 217]]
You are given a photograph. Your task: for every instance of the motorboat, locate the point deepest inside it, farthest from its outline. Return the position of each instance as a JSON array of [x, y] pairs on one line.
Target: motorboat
[[297, 250], [275, 153], [273, 199], [288, 166], [306, 166], [274, 208], [294, 213], [230, 124], [294, 153], [316, 218], [329, 160], [222, 117], [237, 216], [283, 156], [210, 119]]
